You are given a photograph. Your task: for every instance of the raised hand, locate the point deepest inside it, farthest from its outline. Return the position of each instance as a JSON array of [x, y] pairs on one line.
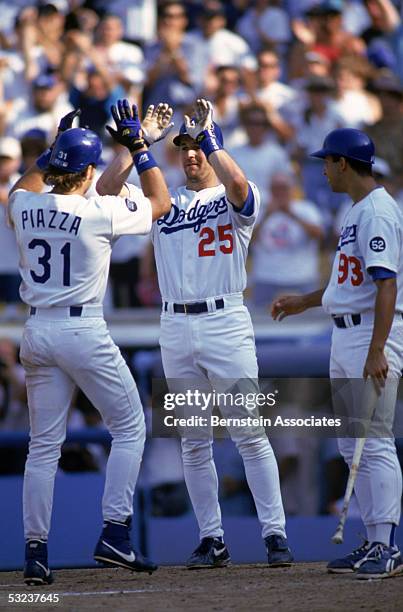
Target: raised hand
[[128, 131], [157, 123], [66, 122], [202, 119]]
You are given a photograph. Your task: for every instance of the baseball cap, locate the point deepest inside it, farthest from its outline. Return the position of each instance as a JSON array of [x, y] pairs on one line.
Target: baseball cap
[[182, 132], [326, 7], [212, 9], [317, 57], [388, 83], [34, 134], [10, 147], [44, 81]]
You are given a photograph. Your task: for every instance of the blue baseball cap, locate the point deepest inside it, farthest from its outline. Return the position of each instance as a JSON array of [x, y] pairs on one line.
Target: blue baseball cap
[[182, 132], [45, 81]]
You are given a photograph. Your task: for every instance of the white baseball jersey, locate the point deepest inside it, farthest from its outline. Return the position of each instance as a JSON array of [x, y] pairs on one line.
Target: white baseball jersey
[[371, 235], [65, 242], [201, 245]]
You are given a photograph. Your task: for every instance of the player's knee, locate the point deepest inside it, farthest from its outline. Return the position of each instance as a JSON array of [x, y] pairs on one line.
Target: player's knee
[[254, 448], [196, 452]]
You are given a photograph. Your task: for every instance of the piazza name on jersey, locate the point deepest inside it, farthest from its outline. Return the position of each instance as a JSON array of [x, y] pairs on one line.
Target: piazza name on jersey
[[178, 219], [36, 218]]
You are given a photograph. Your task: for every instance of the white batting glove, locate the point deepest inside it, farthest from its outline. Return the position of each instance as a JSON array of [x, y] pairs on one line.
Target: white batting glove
[[203, 118], [157, 123]]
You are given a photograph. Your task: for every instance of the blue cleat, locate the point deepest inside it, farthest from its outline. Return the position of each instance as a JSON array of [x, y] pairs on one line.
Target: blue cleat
[[381, 561], [210, 553], [36, 570], [346, 564], [114, 549], [278, 552]]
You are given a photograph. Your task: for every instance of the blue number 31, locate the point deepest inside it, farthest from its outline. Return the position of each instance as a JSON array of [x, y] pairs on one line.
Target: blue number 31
[[44, 261]]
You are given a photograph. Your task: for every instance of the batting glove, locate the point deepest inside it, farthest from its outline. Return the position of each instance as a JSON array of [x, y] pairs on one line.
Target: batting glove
[[65, 123], [201, 127], [128, 131], [157, 123]]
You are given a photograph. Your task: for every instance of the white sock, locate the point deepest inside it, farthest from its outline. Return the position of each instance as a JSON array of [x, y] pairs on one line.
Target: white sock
[[380, 533]]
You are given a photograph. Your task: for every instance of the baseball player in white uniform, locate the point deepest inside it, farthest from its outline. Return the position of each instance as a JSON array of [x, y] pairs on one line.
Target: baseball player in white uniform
[[65, 242], [365, 298], [206, 331]]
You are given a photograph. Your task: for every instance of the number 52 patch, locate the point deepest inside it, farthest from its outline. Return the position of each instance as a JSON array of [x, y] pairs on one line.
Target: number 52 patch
[[377, 244]]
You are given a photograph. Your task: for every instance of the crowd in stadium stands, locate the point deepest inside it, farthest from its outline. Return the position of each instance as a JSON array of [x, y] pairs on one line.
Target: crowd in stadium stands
[[280, 74]]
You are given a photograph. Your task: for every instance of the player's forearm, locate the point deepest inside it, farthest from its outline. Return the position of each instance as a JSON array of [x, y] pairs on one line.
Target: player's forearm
[[154, 187], [385, 305], [115, 174], [231, 176], [314, 299]]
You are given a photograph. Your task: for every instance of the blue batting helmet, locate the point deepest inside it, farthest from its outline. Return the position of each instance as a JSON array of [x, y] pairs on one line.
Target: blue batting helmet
[[182, 132], [349, 143], [75, 149]]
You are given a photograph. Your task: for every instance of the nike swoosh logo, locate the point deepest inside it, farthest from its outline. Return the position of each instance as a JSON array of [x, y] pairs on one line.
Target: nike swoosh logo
[[218, 552], [129, 558], [45, 569]]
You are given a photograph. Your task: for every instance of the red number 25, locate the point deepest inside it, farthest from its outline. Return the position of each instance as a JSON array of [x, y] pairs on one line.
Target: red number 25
[[225, 237]]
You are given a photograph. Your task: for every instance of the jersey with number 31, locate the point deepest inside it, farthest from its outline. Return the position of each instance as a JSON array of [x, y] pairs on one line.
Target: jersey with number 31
[[201, 245], [65, 243], [371, 236]]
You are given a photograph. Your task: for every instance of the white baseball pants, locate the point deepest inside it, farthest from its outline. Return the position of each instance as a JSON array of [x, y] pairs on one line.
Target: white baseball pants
[[208, 348], [379, 481], [57, 355]]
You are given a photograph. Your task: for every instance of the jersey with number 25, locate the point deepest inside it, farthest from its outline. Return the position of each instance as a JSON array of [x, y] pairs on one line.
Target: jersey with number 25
[[201, 245], [371, 236], [65, 243]]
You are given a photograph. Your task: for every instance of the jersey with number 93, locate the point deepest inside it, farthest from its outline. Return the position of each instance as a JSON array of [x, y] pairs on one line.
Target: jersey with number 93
[[371, 237], [201, 246], [65, 243]]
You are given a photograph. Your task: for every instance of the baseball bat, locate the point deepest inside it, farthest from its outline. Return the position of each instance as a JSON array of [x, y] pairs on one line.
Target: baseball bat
[[370, 398]]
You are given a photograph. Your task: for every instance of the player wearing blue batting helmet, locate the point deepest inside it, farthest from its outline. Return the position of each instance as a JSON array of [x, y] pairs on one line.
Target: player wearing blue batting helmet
[[349, 143], [75, 149], [182, 132]]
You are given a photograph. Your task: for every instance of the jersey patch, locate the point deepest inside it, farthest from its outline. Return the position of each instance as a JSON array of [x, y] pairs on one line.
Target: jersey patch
[[377, 244], [132, 206]]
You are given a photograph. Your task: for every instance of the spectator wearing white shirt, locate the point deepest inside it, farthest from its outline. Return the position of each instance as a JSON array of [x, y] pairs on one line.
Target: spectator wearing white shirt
[[315, 121], [261, 157], [221, 47], [226, 102], [286, 244], [47, 105], [10, 159]]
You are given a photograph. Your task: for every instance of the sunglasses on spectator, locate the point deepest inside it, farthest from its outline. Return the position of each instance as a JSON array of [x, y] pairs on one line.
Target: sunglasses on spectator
[[178, 15]]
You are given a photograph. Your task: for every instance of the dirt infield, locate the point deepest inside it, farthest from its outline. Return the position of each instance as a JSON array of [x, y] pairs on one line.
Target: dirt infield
[[243, 588]]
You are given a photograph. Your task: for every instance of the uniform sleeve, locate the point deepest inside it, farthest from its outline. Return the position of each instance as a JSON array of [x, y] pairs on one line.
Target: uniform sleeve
[[380, 242], [251, 213], [132, 215], [11, 201]]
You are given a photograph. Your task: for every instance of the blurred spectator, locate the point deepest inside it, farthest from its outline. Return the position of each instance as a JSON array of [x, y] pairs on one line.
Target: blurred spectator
[[265, 23], [174, 72], [49, 33], [92, 86], [10, 160], [316, 120], [289, 232], [279, 99], [46, 107], [219, 46], [353, 102], [125, 61], [387, 133], [261, 157], [226, 100], [33, 144], [322, 31]]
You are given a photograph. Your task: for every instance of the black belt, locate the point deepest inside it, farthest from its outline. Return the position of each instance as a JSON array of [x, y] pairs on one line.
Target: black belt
[[75, 311], [341, 321], [194, 307]]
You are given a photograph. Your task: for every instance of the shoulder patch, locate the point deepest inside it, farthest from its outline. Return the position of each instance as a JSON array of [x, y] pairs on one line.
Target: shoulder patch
[[132, 206], [377, 244]]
